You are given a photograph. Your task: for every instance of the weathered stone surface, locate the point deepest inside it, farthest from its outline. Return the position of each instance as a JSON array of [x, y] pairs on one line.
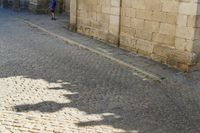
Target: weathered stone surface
[[171, 23], [66, 6], [42, 6], [39, 6], [99, 19], [49, 86]]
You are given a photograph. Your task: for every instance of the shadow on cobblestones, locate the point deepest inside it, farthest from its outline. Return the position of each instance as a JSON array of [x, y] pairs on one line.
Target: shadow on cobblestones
[[47, 106], [128, 109], [97, 86], [128, 104]]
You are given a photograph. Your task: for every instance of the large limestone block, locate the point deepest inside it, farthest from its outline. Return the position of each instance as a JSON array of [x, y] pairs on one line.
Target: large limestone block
[[177, 58], [170, 6]]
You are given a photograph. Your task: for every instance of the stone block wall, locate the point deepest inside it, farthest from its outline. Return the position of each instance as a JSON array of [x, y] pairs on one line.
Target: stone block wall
[[188, 31], [164, 30], [160, 29], [42, 6], [99, 19], [39, 6], [66, 6]]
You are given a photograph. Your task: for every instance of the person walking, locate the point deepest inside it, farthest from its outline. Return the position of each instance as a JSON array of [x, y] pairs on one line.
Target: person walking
[[53, 5]]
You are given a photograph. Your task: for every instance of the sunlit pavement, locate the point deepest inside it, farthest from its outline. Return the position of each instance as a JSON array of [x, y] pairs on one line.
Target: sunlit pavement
[[49, 86]]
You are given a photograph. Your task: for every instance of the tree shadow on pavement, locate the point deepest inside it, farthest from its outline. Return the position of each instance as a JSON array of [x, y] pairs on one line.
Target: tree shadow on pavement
[[134, 106], [47, 106], [128, 104], [100, 87]]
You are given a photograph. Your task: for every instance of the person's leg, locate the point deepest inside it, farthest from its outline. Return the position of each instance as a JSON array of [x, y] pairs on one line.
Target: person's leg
[[53, 14]]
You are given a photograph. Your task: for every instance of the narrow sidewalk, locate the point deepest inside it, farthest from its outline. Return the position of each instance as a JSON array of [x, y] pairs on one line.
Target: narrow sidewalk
[[60, 28]]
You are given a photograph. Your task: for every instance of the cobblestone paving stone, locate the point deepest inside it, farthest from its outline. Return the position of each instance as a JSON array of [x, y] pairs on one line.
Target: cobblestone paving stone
[[49, 86]]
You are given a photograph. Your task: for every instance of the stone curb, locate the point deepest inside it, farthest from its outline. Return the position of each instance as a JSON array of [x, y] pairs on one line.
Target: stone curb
[[136, 71]]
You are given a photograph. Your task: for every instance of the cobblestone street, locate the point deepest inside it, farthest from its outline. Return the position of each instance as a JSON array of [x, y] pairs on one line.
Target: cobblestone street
[[50, 86]]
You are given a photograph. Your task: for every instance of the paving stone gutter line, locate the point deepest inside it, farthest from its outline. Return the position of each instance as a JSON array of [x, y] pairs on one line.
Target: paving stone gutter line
[[136, 71], [143, 68]]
